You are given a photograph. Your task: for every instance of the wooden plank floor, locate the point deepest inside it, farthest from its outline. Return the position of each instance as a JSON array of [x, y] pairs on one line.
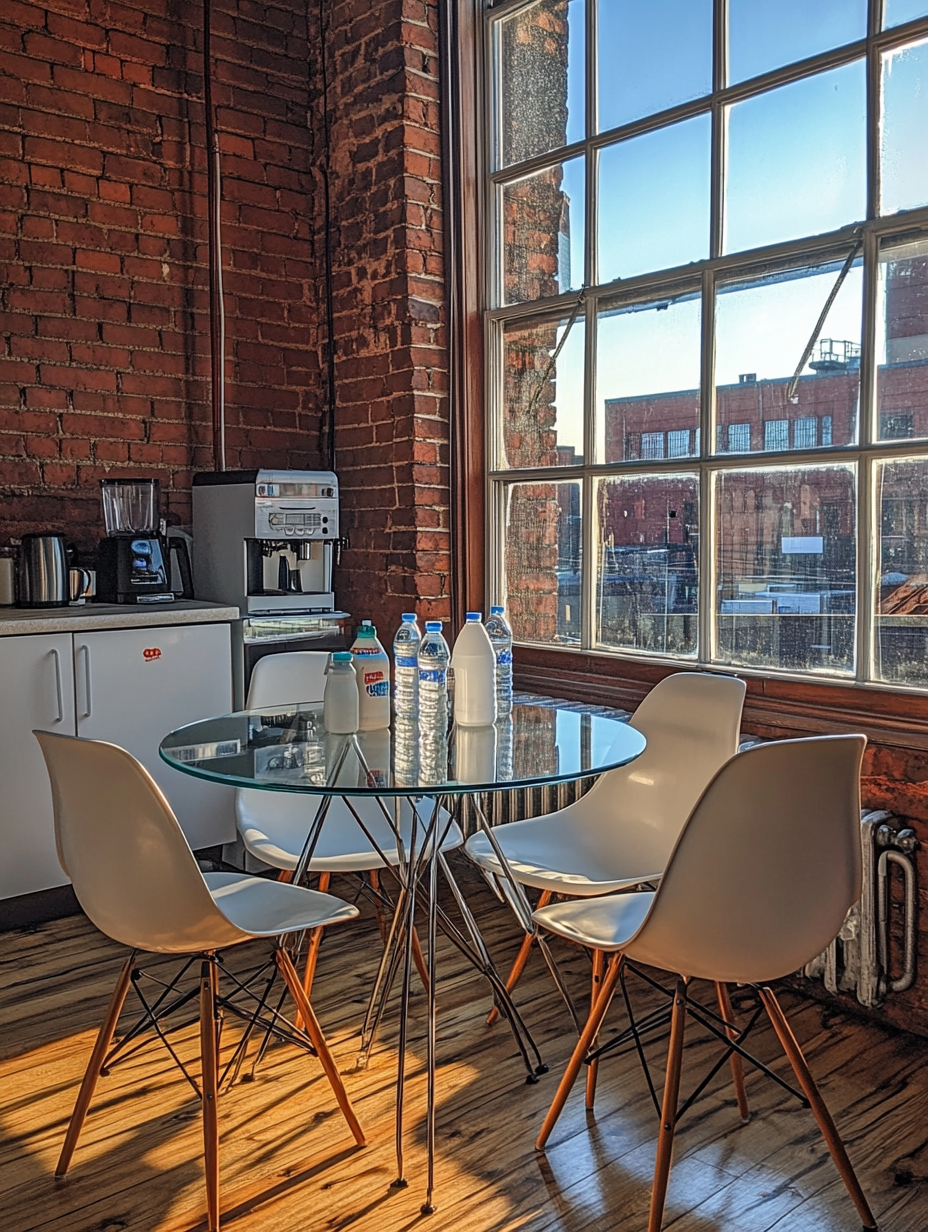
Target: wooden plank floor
[[288, 1161]]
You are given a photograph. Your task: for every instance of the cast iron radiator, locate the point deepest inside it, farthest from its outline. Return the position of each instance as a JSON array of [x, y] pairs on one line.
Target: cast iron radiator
[[860, 960]]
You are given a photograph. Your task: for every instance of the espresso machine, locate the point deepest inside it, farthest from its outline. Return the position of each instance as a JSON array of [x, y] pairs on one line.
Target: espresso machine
[[264, 541], [134, 560]]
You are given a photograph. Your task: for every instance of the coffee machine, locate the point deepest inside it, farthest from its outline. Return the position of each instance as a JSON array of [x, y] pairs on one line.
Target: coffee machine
[[133, 561], [264, 542]]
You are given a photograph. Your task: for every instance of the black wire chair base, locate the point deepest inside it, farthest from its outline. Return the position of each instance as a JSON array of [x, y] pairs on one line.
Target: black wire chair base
[[251, 1007], [654, 1027]]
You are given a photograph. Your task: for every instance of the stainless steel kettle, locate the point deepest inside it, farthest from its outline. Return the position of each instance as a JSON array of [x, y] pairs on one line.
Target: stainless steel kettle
[[43, 572]]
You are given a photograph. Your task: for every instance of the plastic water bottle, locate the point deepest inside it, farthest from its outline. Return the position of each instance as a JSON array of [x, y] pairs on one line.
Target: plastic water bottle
[[340, 697], [406, 669], [373, 668], [500, 635], [433, 660], [474, 663]]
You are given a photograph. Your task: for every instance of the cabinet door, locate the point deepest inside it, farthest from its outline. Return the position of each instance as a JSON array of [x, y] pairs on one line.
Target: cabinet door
[[36, 691], [133, 686]]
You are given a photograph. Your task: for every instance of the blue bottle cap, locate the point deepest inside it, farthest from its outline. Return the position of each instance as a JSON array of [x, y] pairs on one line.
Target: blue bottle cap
[[497, 611], [341, 656], [433, 626], [367, 629], [475, 617], [411, 616]]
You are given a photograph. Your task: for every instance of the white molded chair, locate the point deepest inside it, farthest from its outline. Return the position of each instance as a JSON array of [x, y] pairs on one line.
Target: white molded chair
[[759, 882], [274, 825], [136, 878], [621, 833]]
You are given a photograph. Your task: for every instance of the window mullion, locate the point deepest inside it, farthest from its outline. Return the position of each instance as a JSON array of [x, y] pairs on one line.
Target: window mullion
[[867, 434], [588, 565], [873, 114], [704, 608]]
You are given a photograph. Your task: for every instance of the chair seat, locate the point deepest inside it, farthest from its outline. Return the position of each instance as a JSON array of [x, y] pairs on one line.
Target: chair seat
[[551, 853], [601, 923], [264, 908], [274, 825]]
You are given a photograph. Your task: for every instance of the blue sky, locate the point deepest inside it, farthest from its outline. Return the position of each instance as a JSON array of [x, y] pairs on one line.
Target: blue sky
[[796, 166]]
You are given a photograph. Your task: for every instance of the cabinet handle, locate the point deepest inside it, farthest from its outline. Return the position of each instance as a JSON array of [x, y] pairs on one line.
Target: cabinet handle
[[58, 694], [85, 714]]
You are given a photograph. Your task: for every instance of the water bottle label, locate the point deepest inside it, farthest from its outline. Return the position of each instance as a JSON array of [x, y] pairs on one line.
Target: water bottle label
[[406, 661], [434, 675], [503, 657]]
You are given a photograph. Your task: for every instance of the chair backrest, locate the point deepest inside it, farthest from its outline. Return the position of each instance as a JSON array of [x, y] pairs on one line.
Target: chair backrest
[[692, 723], [294, 676], [131, 867], [766, 867]]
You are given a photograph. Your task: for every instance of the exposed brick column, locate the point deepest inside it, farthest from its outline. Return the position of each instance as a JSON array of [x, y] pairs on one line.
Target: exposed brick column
[[391, 361]]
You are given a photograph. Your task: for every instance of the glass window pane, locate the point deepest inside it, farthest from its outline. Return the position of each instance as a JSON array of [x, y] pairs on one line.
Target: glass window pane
[[651, 56], [762, 328], [646, 583], [765, 34], [786, 590], [776, 434], [540, 79], [901, 624], [902, 341], [647, 378], [654, 200], [903, 129], [895, 12], [542, 221], [796, 162], [541, 561], [542, 412]]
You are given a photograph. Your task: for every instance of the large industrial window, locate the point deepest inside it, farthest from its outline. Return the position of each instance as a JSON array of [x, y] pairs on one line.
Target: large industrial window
[[707, 330]]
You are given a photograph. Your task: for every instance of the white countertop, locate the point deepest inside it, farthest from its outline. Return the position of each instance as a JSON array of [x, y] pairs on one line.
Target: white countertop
[[82, 618]]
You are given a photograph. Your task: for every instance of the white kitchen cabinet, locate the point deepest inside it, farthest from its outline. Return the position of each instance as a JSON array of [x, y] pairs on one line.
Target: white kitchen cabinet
[[133, 686], [129, 686], [36, 691]]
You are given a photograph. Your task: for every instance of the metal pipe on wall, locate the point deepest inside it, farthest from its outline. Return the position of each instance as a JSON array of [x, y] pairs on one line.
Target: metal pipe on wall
[[217, 314]]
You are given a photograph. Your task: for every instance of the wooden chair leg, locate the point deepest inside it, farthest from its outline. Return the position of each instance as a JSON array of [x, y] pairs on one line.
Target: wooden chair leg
[[588, 1034], [668, 1109], [312, 951], [737, 1069], [209, 1084], [419, 959], [518, 966], [288, 971], [599, 966], [817, 1104], [374, 875], [95, 1064]]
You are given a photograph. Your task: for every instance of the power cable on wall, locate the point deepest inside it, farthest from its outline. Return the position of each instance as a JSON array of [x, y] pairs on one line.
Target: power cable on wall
[[327, 420]]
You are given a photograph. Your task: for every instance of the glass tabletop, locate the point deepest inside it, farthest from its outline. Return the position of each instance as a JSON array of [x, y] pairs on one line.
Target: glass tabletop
[[287, 748]]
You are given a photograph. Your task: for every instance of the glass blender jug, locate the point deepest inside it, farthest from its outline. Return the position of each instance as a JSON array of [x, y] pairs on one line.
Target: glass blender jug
[[131, 506]]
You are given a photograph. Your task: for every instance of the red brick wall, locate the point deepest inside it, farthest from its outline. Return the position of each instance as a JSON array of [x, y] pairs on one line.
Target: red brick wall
[[103, 231], [103, 226]]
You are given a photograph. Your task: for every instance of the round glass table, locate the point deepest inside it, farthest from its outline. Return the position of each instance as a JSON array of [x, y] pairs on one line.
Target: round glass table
[[286, 748]]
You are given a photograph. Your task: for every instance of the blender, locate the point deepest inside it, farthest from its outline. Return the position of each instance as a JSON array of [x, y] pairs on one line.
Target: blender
[[132, 564]]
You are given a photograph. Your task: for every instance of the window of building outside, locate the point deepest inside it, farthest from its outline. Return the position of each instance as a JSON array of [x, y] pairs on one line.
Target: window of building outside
[[707, 330]]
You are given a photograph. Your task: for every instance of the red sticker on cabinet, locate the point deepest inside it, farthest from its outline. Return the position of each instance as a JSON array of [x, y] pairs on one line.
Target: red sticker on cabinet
[[151, 653]]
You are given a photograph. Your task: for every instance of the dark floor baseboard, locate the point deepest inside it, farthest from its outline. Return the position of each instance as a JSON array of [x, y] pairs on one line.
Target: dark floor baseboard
[[29, 910]]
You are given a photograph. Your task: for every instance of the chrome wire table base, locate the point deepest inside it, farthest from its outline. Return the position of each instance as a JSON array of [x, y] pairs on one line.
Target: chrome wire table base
[[418, 891]]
